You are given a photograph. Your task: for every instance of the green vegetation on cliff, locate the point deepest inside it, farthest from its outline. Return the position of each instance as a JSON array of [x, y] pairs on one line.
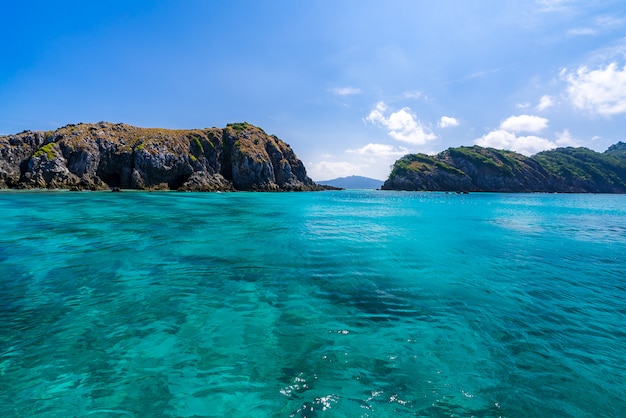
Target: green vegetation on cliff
[[604, 171], [486, 169], [47, 150], [420, 162], [618, 149], [500, 161]]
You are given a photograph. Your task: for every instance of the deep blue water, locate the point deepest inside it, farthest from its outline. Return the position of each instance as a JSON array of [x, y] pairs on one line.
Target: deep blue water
[[328, 304]]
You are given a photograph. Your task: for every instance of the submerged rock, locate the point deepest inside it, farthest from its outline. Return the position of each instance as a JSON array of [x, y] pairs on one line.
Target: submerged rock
[[108, 156]]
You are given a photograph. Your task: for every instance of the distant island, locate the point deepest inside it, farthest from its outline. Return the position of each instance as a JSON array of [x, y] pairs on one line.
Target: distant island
[[353, 182], [563, 170], [105, 156]]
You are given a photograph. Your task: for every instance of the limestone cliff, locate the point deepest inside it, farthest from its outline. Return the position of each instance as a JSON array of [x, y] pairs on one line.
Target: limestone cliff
[[567, 170], [105, 155]]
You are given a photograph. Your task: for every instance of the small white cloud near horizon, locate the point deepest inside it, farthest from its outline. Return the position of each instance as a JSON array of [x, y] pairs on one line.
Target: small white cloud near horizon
[[545, 102], [345, 91], [565, 139], [503, 139], [447, 121], [601, 91], [401, 125], [524, 123], [506, 137], [328, 170], [371, 160]]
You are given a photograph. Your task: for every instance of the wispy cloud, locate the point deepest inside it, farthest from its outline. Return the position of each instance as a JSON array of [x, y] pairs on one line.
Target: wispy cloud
[[345, 91], [609, 22], [553, 5], [478, 74], [599, 25], [416, 94], [379, 151], [582, 32]]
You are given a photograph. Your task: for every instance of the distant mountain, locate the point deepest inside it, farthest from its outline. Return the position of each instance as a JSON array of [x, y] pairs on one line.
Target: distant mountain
[[353, 182], [565, 170]]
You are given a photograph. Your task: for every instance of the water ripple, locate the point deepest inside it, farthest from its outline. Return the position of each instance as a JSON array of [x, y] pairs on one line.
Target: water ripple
[[311, 304]]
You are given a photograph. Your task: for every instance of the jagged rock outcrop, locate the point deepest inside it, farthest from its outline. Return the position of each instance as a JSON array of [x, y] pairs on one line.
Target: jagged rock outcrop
[[566, 170], [105, 155]]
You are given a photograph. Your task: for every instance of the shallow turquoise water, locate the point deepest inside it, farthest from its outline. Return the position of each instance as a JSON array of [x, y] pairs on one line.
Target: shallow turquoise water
[[338, 304]]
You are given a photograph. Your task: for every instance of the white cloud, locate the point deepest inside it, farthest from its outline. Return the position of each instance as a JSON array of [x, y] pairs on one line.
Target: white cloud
[[525, 105], [327, 170], [545, 102], [527, 145], [401, 125], [345, 91], [447, 121], [379, 151], [524, 123], [353, 163], [601, 91], [565, 139], [371, 160], [377, 114]]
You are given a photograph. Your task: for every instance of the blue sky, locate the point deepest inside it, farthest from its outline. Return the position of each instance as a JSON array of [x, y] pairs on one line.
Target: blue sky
[[351, 85]]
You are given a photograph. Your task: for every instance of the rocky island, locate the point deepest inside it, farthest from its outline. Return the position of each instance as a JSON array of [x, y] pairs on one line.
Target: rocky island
[[105, 156], [467, 169]]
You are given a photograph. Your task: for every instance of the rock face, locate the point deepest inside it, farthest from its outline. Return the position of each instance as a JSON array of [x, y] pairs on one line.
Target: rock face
[[103, 156], [565, 170]]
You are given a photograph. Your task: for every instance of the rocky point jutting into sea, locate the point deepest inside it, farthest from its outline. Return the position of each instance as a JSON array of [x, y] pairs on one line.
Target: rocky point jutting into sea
[[106, 155], [563, 170]]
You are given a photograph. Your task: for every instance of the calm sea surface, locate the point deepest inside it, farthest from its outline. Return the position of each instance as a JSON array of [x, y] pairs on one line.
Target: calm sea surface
[[327, 304]]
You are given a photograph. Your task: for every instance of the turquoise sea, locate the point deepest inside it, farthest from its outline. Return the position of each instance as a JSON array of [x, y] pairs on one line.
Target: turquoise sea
[[324, 304]]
